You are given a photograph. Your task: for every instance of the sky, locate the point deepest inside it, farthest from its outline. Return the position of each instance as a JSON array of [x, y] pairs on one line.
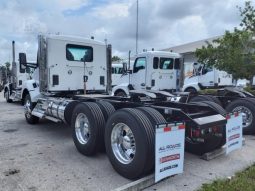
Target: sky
[[162, 23]]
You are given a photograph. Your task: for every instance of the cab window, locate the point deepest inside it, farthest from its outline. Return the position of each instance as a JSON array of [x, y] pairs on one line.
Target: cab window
[[166, 63], [140, 64], [79, 53]]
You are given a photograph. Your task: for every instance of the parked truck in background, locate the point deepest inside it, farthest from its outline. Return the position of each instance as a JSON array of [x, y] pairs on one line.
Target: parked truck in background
[[117, 72], [205, 77], [74, 87], [17, 82], [152, 71], [227, 95], [155, 75], [3, 77]]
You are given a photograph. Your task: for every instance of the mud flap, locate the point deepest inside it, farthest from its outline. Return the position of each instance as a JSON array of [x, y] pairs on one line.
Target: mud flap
[[234, 132], [169, 150]]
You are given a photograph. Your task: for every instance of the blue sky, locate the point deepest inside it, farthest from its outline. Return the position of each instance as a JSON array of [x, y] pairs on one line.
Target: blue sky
[[162, 23]]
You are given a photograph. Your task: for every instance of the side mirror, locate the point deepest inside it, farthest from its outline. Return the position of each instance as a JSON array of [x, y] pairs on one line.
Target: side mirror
[[124, 68], [22, 62], [204, 71]]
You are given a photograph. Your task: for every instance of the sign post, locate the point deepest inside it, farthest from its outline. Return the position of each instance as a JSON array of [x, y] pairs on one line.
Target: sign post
[[169, 150]]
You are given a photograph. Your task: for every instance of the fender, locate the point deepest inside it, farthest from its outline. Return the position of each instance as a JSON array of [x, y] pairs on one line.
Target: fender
[[193, 85], [32, 87], [8, 88], [123, 87]]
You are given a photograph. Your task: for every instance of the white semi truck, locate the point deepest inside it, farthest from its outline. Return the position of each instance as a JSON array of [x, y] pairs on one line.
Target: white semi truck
[[74, 86], [16, 82], [157, 70], [204, 77], [151, 71], [117, 72]]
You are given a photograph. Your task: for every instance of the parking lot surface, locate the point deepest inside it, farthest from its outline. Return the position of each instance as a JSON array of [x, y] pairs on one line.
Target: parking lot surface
[[43, 157]]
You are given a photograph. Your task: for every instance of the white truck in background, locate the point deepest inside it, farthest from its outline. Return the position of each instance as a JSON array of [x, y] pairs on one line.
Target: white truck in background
[[151, 71], [19, 79], [204, 77], [117, 71]]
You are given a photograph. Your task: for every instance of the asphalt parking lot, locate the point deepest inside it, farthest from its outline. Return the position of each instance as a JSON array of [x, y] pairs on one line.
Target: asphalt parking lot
[[43, 157]]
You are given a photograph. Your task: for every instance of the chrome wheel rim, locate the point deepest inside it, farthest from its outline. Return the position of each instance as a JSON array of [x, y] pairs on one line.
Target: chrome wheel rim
[[82, 128], [123, 143], [246, 115], [6, 96], [27, 108]]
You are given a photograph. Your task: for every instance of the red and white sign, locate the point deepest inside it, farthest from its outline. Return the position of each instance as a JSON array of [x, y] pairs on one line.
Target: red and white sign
[[169, 150], [234, 132]]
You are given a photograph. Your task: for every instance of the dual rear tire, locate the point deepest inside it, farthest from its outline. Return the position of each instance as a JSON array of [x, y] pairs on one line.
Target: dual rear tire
[[128, 135]]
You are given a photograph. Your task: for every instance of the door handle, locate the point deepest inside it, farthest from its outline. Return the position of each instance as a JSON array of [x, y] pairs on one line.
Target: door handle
[[142, 84]]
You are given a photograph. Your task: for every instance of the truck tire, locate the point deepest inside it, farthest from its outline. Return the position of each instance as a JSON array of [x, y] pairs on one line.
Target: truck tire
[[121, 94], [31, 119], [191, 90], [88, 128], [205, 98], [246, 106], [216, 107], [129, 142], [7, 96], [107, 109], [155, 118], [212, 143]]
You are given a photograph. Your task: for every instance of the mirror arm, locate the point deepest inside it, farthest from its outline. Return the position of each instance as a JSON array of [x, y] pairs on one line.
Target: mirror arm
[[31, 65]]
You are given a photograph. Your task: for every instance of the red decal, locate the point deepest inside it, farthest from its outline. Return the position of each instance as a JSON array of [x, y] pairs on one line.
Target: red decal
[[166, 129], [182, 126], [233, 137], [169, 158]]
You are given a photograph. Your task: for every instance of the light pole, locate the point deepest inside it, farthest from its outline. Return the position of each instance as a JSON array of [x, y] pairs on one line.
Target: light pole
[[136, 27]]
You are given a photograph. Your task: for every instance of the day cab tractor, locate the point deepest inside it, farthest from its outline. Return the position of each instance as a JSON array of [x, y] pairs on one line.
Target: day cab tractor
[[74, 88], [161, 71], [19, 81]]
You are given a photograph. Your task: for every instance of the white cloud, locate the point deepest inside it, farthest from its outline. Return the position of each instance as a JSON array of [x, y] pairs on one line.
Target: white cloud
[[111, 11], [161, 23], [71, 4]]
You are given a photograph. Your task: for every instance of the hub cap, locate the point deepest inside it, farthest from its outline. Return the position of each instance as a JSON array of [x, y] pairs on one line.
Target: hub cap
[[82, 128], [28, 108], [6, 95], [123, 143], [246, 115]]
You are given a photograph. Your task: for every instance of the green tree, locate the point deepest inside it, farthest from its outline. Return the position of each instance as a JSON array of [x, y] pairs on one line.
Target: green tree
[[7, 65], [248, 17], [116, 59], [234, 51]]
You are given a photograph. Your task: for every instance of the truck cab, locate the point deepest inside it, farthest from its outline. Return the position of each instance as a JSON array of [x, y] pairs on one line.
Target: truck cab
[[152, 70], [117, 71], [204, 77]]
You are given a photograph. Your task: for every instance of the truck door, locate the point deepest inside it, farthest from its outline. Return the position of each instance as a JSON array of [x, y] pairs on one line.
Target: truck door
[[206, 76], [138, 77]]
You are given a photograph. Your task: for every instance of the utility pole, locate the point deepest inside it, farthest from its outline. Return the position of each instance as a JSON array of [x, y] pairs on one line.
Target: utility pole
[[136, 26]]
